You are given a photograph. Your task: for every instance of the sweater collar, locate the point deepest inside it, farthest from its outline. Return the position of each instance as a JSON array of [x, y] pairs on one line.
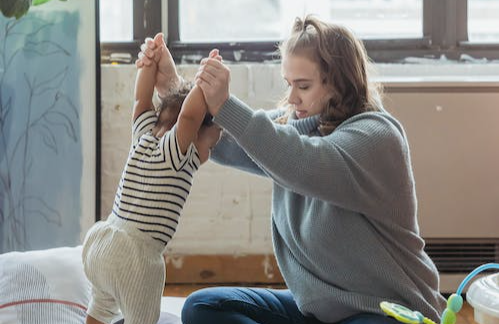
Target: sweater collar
[[305, 126]]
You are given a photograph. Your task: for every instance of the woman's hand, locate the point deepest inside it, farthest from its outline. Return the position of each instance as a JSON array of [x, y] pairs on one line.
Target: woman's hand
[[213, 78], [155, 51]]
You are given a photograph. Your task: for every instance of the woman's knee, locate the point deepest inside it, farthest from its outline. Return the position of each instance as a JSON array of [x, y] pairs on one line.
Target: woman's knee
[[200, 304]]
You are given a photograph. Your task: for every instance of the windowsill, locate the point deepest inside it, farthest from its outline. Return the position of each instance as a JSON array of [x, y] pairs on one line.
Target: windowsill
[[396, 76], [455, 75], [439, 81]]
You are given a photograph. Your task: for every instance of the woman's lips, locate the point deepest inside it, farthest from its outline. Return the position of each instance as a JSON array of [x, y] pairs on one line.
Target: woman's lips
[[301, 113]]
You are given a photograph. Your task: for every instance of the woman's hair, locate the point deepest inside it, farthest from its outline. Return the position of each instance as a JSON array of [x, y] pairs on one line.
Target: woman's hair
[[343, 64]]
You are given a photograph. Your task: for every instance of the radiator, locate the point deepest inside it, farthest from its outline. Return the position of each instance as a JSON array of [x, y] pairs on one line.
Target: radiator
[[455, 258]]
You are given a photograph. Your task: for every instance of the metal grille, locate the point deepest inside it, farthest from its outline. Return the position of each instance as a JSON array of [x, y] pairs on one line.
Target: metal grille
[[461, 257]]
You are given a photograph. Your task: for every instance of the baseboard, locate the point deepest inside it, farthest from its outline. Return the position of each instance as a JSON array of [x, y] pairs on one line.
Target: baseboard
[[211, 269]]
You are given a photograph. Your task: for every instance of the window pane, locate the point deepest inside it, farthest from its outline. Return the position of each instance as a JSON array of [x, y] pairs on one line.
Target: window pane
[[380, 18], [116, 20], [250, 20], [483, 20]]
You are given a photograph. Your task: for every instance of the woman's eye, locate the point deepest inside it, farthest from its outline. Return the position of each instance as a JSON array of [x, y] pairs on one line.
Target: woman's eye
[[305, 87]]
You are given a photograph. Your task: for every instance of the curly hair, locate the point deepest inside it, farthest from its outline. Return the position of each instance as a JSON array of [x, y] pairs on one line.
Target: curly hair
[[174, 100]]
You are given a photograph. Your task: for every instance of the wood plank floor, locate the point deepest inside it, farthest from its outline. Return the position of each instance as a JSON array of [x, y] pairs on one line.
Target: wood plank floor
[[465, 316]]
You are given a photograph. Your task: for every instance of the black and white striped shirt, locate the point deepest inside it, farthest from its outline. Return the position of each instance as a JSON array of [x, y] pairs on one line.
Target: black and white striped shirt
[[156, 180]]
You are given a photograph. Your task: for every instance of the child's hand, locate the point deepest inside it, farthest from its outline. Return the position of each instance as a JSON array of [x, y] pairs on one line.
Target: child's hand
[[167, 77], [213, 78], [155, 51], [215, 54]]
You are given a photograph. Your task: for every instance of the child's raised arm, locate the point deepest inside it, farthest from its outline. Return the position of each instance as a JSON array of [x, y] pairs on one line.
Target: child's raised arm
[[190, 118], [192, 113], [144, 89]]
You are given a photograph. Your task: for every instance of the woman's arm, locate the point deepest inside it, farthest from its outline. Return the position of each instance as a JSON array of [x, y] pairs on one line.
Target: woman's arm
[[228, 152], [362, 164]]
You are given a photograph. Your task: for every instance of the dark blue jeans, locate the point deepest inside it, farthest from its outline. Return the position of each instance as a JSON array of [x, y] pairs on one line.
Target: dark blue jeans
[[237, 305]]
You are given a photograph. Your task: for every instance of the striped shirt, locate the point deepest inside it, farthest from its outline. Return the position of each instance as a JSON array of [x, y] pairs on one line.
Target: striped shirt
[[156, 180]]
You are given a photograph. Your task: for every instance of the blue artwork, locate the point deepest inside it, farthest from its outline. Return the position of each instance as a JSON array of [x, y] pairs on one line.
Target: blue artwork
[[41, 134]]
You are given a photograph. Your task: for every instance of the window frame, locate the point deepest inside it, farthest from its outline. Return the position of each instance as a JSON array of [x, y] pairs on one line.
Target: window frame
[[146, 22], [445, 34]]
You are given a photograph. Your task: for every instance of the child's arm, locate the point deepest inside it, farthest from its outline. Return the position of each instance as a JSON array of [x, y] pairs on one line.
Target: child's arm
[[190, 118], [192, 113], [144, 89]]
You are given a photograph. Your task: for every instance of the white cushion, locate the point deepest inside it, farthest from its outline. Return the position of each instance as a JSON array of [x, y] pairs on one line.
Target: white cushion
[[50, 287], [43, 287]]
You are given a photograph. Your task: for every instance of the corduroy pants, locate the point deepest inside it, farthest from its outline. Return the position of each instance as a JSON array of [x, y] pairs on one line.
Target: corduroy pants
[[126, 269]]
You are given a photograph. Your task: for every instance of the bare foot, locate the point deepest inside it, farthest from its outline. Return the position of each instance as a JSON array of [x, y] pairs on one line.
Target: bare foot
[[91, 320]]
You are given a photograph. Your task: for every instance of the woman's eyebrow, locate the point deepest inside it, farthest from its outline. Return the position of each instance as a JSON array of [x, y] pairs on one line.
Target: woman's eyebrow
[[298, 80], [302, 80]]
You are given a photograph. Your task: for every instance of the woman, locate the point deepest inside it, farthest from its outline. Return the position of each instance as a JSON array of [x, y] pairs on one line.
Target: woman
[[344, 221]]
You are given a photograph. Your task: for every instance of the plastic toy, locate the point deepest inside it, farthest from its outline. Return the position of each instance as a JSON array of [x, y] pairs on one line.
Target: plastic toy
[[454, 304]]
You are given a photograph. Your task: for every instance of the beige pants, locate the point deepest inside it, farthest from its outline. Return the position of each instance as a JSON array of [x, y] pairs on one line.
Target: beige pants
[[127, 271]]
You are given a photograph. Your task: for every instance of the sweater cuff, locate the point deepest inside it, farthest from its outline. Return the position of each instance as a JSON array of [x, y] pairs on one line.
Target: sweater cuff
[[234, 116]]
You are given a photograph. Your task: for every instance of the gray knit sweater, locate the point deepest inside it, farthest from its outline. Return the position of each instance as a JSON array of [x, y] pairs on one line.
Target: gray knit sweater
[[344, 222]]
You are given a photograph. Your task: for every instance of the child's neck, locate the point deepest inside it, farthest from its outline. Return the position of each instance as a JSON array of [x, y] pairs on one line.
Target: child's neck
[[160, 130]]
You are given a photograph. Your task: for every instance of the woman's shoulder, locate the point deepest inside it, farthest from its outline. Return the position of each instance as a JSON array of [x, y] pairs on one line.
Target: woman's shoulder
[[375, 122]]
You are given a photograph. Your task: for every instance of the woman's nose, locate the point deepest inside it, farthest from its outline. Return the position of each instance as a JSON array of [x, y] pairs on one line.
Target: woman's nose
[[293, 98]]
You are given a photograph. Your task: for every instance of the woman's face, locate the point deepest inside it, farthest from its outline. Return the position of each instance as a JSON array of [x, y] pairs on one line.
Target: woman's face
[[307, 91]]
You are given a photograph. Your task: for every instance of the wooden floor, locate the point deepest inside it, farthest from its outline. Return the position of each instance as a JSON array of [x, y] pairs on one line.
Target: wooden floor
[[465, 316]]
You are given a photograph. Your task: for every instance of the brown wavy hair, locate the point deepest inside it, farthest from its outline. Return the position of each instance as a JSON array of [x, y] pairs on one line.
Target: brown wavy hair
[[344, 66]]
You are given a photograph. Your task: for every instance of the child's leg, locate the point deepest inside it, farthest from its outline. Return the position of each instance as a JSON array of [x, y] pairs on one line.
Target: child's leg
[[102, 308], [141, 299]]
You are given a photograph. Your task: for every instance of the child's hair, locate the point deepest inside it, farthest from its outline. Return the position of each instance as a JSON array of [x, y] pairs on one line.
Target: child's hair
[[175, 99], [343, 64]]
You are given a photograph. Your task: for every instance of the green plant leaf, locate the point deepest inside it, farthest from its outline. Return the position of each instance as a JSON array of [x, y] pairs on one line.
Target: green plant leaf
[[14, 8], [18, 8], [39, 2]]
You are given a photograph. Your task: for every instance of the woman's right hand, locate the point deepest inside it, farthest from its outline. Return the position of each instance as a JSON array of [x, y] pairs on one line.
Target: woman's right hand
[[154, 51], [213, 77]]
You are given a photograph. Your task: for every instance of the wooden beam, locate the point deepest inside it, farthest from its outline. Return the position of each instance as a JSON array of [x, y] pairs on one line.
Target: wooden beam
[[209, 269]]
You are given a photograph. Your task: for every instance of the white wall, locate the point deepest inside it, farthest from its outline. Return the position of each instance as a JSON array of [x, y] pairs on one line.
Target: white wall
[[450, 117]]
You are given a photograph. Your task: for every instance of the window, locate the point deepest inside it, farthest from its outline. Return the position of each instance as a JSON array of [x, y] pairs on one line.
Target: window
[[124, 24], [483, 21], [116, 23], [393, 30], [201, 20], [249, 30]]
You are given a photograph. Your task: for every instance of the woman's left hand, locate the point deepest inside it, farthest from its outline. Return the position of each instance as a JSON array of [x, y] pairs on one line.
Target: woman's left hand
[[213, 78]]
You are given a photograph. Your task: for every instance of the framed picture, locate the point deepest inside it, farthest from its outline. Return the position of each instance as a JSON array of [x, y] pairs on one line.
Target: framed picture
[[49, 125]]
